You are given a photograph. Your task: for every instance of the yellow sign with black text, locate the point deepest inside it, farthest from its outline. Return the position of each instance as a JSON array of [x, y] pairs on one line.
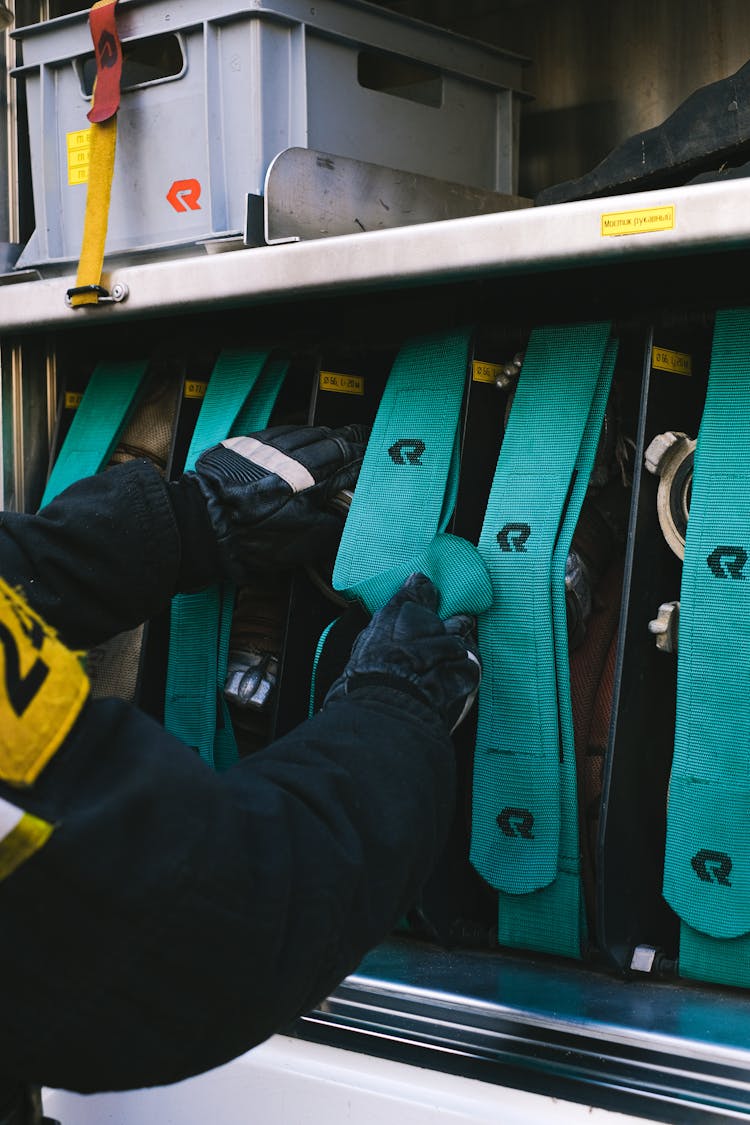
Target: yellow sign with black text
[[79, 156], [483, 372], [342, 384], [679, 363], [195, 388], [646, 221]]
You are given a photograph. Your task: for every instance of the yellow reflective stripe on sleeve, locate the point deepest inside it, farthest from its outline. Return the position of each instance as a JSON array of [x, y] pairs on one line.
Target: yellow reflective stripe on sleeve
[[21, 835], [42, 690]]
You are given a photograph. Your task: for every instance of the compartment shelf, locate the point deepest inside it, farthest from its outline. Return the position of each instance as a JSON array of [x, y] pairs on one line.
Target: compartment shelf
[[705, 218], [655, 1049]]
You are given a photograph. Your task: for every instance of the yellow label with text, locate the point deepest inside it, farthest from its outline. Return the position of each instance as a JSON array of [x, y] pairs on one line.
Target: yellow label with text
[[485, 372], [42, 690], [680, 363], [342, 384], [73, 400], [79, 156], [638, 222], [194, 388]]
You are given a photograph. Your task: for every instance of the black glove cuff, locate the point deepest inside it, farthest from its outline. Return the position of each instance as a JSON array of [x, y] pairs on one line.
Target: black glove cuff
[[200, 561], [391, 691], [385, 679]]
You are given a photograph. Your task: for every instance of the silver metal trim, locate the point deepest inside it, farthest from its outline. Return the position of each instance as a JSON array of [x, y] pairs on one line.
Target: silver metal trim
[[708, 217], [668, 1051], [311, 195]]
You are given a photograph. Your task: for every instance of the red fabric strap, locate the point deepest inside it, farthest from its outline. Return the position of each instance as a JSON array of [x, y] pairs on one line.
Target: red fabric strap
[[108, 50]]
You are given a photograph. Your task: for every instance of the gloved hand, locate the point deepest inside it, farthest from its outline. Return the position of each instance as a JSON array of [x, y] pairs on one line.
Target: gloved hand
[[408, 647], [267, 494]]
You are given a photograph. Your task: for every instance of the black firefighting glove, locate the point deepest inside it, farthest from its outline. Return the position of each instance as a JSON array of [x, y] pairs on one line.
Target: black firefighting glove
[[267, 494], [407, 647]]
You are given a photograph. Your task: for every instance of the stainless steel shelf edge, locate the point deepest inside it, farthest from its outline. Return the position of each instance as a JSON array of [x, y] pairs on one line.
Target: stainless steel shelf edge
[[666, 1051], [699, 219]]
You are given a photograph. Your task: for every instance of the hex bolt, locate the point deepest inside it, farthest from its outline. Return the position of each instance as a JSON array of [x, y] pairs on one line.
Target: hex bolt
[[665, 626]]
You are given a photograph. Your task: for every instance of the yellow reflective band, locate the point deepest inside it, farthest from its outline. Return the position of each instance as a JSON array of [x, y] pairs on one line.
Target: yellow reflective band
[[42, 690], [96, 220], [21, 835]]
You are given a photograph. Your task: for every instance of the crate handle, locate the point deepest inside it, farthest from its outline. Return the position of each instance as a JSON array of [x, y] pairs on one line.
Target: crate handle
[[161, 57], [400, 77]]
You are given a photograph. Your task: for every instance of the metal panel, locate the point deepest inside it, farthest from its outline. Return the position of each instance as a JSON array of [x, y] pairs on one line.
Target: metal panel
[[287, 1082], [699, 219], [600, 72], [668, 1052], [310, 194]]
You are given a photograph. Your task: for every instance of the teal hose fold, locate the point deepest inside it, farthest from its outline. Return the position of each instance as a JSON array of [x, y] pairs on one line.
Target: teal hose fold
[[239, 399], [407, 486], [707, 860], [453, 565], [525, 811], [105, 409]]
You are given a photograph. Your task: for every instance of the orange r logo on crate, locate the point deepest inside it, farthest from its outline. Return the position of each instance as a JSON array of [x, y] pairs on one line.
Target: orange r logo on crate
[[184, 195]]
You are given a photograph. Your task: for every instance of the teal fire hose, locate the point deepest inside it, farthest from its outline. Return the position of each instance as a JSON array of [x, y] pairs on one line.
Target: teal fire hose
[[707, 862], [525, 809], [241, 394]]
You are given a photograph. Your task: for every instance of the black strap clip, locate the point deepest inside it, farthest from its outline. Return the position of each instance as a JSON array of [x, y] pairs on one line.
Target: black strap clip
[[119, 293]]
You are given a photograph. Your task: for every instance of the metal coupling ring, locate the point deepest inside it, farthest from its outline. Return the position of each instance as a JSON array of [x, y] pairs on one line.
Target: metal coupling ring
[[670, 457], [251, 679]]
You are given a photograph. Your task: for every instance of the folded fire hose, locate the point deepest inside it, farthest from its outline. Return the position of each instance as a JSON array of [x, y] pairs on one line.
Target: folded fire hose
[[408, 483], [106, 407], [525, 830], [707, 861], [125, 413], [241, 394]]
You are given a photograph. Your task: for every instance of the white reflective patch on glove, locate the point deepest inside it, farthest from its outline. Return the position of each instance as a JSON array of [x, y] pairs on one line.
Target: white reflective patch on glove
[[42, 690], [296, 475], [267, 495]]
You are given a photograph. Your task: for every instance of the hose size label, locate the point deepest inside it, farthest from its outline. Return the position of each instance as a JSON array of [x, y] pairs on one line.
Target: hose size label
[[79, 156], [341, 384], [482, 372], [195, 388], [615, 223], [678, 363]]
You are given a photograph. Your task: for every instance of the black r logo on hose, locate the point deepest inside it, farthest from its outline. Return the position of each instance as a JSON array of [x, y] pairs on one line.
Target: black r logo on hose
[[412, 447], [515, 823], [106, 50], [712, 867], [728, 562], [514, 537]]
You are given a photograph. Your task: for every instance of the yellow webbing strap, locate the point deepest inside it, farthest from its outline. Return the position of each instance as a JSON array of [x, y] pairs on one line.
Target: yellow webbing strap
[[101, 171], [103, 118], [42, 690]]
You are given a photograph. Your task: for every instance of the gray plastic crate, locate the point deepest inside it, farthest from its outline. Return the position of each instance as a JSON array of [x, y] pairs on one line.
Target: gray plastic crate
[[208, 102]]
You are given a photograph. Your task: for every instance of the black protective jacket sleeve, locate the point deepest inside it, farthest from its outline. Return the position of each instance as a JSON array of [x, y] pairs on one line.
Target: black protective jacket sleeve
[[110, 551], [177, 917]]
